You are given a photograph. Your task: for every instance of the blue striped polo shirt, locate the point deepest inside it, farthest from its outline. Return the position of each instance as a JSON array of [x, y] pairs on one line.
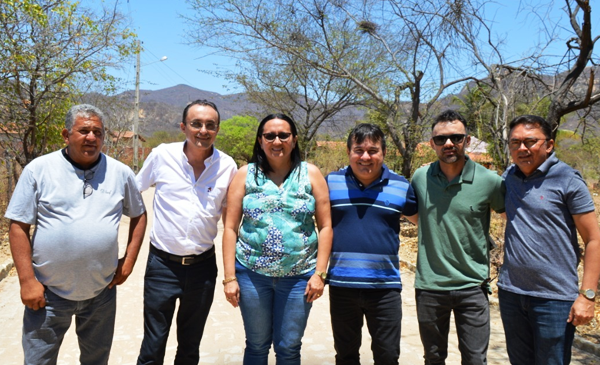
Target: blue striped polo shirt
[[366, 228]]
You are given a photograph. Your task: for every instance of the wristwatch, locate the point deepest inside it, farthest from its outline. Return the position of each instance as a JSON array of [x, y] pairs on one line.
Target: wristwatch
[[321, 274], [588, 293]]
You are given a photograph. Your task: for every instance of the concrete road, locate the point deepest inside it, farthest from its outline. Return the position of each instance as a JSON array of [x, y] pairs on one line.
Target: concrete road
[[223, 341]]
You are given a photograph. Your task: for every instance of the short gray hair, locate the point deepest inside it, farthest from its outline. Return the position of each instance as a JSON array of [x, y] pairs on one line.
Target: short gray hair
[[82, 110]]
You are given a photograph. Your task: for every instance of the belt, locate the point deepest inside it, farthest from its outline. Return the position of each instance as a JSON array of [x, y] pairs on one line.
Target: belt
[[183, 260]]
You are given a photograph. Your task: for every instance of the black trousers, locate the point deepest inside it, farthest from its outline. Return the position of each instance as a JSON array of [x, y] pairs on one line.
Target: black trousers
[[382, 308], [165, 282]]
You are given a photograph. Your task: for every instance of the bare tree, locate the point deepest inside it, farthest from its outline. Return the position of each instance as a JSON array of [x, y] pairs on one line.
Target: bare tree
[[401, 54], [48, 50], [313, 99], [564, 98], [539, 82]]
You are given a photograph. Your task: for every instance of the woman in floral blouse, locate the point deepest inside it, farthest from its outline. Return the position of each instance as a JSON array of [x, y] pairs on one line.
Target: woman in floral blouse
[[274, 263]]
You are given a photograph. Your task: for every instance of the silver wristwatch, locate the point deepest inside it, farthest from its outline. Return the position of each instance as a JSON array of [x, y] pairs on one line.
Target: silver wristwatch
[[588, 293]]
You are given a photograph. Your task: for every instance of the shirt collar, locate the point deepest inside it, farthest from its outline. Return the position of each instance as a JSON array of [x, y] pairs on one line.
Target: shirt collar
[[466, 175], [208, 161], [542, 169], [78, 166], [385, 175]]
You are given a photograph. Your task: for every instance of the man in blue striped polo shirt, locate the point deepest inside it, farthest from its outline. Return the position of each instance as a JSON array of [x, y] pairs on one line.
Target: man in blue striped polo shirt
[[367, 201]]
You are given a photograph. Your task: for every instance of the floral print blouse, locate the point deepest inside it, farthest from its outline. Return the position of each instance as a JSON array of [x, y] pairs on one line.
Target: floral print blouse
[[277, 237]]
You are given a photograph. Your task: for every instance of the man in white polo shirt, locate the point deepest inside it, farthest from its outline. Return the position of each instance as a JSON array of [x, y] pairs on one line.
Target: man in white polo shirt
[[191, 180]]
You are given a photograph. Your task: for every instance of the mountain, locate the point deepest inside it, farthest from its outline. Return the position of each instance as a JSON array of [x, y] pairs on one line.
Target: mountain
[[161, 110]]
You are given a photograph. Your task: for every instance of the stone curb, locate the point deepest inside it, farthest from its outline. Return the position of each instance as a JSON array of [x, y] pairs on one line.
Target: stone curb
[[585, 345], [5, 269], [579, 342]]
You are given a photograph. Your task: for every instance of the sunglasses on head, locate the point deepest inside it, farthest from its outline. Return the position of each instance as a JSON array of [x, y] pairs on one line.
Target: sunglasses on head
[[270, 137], [454, 138]]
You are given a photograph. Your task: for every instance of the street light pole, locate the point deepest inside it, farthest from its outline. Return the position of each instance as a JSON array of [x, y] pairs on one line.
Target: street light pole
[[136, 113]]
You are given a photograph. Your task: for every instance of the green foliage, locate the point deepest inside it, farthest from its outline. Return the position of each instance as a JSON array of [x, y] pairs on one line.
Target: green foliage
[[236, 137], [581, 154], [50, 52], [329, 156], [477, 110], [161, 137], [424, 155]]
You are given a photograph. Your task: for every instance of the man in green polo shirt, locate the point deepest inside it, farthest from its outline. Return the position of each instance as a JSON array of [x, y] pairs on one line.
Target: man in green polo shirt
[[454, 196]]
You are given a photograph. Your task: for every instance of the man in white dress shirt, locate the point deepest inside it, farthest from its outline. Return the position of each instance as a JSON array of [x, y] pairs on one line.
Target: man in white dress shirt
[[191, 180]]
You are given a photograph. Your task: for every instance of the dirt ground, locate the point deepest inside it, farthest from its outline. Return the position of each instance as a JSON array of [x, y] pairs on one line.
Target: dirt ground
[[408, 252]]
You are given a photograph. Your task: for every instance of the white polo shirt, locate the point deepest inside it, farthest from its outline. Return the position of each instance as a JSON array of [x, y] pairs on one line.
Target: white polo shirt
[[186, 210]]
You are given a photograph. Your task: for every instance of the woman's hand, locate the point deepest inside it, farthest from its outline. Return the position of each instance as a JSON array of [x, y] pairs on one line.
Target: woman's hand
[[314, 288], [232, 293]]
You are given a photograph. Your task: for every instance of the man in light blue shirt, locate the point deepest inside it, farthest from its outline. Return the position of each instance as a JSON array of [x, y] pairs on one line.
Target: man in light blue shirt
[[75, 197]]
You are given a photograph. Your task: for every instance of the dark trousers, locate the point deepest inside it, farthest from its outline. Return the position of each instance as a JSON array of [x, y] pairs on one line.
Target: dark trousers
[[471, 317], [382, 308], [536, 329], [166, 282]]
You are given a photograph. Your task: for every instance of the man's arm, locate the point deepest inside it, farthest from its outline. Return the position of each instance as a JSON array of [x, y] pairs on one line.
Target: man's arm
[[137, 229], [582, 310], [32, 291]]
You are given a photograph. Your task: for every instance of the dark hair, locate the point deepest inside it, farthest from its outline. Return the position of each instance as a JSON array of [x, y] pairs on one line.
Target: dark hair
[[534, 120], [258, 155], [450, 115], [364, 131], [201, 102]]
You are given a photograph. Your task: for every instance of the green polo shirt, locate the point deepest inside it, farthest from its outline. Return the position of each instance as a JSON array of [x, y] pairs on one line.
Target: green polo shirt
[[454, 225]]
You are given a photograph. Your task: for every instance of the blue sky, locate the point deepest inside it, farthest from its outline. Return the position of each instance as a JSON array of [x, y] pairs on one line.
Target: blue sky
[[163, 33]]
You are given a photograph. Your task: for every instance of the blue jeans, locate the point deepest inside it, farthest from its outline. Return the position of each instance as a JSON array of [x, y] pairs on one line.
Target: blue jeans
[[471, 317], [382, 309], [536, 329], [165, 282], [274, 311], [45, 328]]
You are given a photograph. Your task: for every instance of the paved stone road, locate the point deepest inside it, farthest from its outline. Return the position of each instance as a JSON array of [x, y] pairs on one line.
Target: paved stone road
[[223, 341]]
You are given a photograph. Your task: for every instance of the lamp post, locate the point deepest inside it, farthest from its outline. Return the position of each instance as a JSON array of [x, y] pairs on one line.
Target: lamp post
[[136, 114]]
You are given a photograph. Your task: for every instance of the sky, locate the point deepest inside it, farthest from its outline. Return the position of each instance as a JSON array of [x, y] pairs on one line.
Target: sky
[[163, 32]]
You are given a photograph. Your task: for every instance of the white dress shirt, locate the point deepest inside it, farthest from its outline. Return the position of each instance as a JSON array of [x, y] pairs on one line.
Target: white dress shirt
[[186, 210]]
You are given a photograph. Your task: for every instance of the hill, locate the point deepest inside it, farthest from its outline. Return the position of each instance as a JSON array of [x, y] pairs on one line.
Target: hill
[[161, 110]]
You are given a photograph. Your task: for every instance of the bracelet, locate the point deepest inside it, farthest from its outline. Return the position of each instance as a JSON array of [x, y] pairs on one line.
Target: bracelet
[[225, 281]]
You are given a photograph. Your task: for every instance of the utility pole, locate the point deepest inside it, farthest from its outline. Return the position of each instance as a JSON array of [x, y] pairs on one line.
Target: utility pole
[[136, 113]]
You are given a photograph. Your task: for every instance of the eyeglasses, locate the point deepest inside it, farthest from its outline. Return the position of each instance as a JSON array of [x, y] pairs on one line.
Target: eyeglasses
[[454, 138], [515, 144], [210, 126], [270, 137], [88, 189]]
